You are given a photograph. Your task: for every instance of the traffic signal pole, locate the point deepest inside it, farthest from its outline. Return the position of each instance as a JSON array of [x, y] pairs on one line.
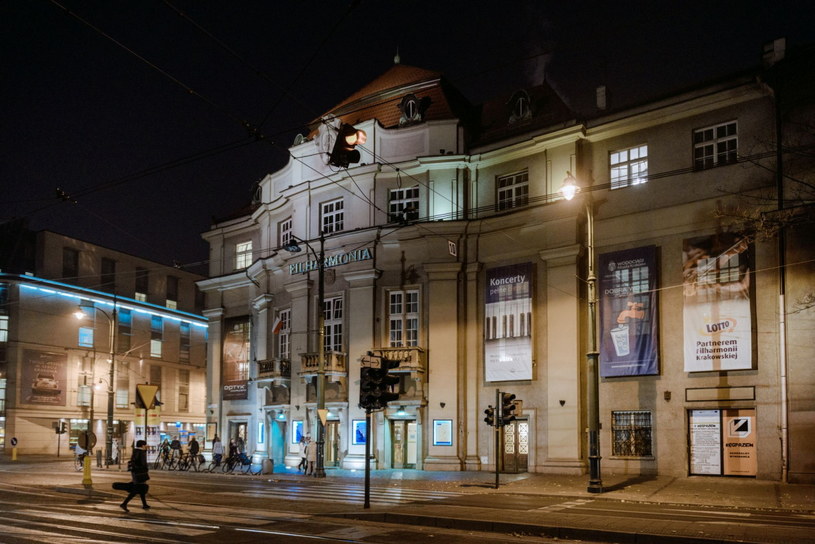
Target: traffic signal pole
[[367, 458], [497, 435]]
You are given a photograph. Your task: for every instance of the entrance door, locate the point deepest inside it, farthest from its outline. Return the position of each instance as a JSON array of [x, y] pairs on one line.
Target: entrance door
[[331, 455], [238, 431], [404, 442], [515, 449]]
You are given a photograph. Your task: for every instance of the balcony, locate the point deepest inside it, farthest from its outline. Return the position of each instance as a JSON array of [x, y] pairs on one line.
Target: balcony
[[412, 360], [274, 370], [335, 365]]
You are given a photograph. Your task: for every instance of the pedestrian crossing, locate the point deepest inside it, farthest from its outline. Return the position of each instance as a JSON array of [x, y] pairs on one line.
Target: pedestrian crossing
[[346, 493]]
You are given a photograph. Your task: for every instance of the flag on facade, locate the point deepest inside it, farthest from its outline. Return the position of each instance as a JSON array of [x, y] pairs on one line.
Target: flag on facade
[[278, 324]]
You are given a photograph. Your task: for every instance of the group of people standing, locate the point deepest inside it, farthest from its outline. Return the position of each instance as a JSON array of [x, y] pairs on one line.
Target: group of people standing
[[308, 455]]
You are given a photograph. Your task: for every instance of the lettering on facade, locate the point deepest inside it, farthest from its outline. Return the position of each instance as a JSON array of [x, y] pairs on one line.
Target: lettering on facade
[[331, 261]]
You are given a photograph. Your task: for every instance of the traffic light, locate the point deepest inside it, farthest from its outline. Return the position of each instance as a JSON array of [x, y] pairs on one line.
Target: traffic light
[[490, 419], [375, 384], [507, 408], [348, 137]]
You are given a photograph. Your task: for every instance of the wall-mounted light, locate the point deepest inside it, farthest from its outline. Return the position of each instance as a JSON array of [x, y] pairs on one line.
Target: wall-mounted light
[[400, 411]]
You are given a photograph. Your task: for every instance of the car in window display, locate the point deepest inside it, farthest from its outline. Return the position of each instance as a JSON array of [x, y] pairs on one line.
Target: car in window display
[[45, 382]]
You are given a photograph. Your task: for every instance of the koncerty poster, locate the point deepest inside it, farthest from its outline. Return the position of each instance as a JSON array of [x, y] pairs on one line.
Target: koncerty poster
[[508, 323]]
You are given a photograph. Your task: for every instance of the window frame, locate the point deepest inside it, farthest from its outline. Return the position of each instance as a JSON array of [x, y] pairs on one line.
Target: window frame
[[332, 216], [284, 335], [403, 317], [333, 312], [284, 232], [507, 188], [243, 255], [156, 336], [630, 169], [708, 142], [628, 434], [403, 203]]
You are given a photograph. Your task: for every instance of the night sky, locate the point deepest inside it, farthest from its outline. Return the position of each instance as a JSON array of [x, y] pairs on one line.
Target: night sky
[[154, 116]]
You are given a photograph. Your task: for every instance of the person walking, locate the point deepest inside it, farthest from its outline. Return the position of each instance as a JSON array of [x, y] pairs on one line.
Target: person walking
[[301, 450], [114, 451], [139, 474], [217, 450]]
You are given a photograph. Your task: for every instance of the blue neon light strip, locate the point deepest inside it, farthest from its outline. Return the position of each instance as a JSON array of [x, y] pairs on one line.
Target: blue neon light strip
[[193, 319]]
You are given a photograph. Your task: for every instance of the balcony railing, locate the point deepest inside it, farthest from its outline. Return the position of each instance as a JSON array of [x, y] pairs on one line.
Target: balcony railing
[[335, 365], [274, 370], [411, 359]]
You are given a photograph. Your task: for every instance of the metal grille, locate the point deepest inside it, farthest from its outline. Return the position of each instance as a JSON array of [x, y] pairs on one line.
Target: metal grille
[[523, 438], [631, 430], [509, 439]]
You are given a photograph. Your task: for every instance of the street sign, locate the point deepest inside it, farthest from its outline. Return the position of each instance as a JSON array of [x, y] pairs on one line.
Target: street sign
[[146, 394], [87, 440], [323, 415], [14, 441]]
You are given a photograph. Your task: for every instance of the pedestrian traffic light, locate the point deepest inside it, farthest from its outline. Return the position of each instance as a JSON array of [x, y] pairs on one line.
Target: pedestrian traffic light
[[367, 385], [375, 385], [507, 408], [344, 152], [490, 419], [388, 381]]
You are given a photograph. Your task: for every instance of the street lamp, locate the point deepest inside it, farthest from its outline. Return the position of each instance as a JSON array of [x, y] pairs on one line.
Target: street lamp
[[80, 314], [293, 247], [569, 190]]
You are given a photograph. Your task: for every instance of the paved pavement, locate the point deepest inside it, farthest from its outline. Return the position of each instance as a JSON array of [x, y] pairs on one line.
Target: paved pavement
[[731, 499]]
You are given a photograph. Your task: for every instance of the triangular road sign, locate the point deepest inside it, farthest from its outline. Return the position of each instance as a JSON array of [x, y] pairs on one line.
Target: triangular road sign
[[147, 393], [323, 415]]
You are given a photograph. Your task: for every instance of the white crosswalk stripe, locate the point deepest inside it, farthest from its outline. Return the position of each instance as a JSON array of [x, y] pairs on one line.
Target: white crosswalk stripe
[[346, 493], [564, 505]]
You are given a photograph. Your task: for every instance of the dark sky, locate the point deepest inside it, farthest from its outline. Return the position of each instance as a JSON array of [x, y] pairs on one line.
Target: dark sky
[[140, 114]]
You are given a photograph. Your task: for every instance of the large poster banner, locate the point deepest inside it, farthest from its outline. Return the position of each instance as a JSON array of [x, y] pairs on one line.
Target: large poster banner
[[44, 378], [235, 362], [508, 323], [716, 311], [628, 313]]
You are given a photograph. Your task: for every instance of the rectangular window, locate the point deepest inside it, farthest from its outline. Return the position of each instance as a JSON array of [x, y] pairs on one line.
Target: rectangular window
[[631, 433], [628, 166], [156, 335], [183, 390], [172, 292], [284, 335], [243, 255], [513, 190], [83, 395], [124, 320], [403, 204], [715, 146], [332, 216], [332, 312], [2, 395], [184, 347], [142, 284], [70, 264], [155, 379], [284, 232], [403, 318], [85, 337], [108, 275], [3, 328], [122, 390]]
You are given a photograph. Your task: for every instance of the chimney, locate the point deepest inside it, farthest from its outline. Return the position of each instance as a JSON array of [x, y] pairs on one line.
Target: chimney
[[774, 52], [602, 97]]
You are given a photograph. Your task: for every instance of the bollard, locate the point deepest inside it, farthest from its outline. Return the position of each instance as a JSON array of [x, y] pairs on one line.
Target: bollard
[[267, 466], [14, 453], [86, 472]]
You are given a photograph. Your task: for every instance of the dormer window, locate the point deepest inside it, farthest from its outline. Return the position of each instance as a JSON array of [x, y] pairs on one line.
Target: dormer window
[[520, 107]]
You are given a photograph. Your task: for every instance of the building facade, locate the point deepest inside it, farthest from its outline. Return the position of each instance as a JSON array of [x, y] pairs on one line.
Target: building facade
[[66, 306], [450, 248]]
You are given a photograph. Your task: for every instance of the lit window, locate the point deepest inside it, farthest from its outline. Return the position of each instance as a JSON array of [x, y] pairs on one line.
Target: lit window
[[513, 190], [629, 166], [124, 319], [156, 335], [403, 204], [83, 395], [631, 432], [85, 337], [184, 347], [715, 146], [332, 217], [3, 328], [183, 390], [243, 255], [403, 318], [142, 284], [332, 312], [122, 390]]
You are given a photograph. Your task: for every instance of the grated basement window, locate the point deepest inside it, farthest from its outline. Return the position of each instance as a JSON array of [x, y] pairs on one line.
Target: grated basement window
[[631, 433]]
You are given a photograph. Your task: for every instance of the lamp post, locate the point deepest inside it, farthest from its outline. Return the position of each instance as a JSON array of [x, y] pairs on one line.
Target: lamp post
[[293, 247], [112, 327], [569, 189]]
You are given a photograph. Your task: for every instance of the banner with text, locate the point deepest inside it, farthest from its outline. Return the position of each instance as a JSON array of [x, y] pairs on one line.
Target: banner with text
[[235, 362], [508, 323], [628, 313], [716, 311]]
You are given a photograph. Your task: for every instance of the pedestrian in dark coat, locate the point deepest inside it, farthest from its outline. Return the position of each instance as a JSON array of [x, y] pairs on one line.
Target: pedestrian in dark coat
[[139, 474]]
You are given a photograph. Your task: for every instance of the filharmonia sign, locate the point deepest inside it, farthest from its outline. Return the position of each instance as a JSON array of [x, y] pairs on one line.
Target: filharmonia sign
[[331, 261]]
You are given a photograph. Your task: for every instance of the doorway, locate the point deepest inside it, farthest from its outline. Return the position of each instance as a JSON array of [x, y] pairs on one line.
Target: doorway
[[404, 443], [238, 431], [331, 454], [515, 447]]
